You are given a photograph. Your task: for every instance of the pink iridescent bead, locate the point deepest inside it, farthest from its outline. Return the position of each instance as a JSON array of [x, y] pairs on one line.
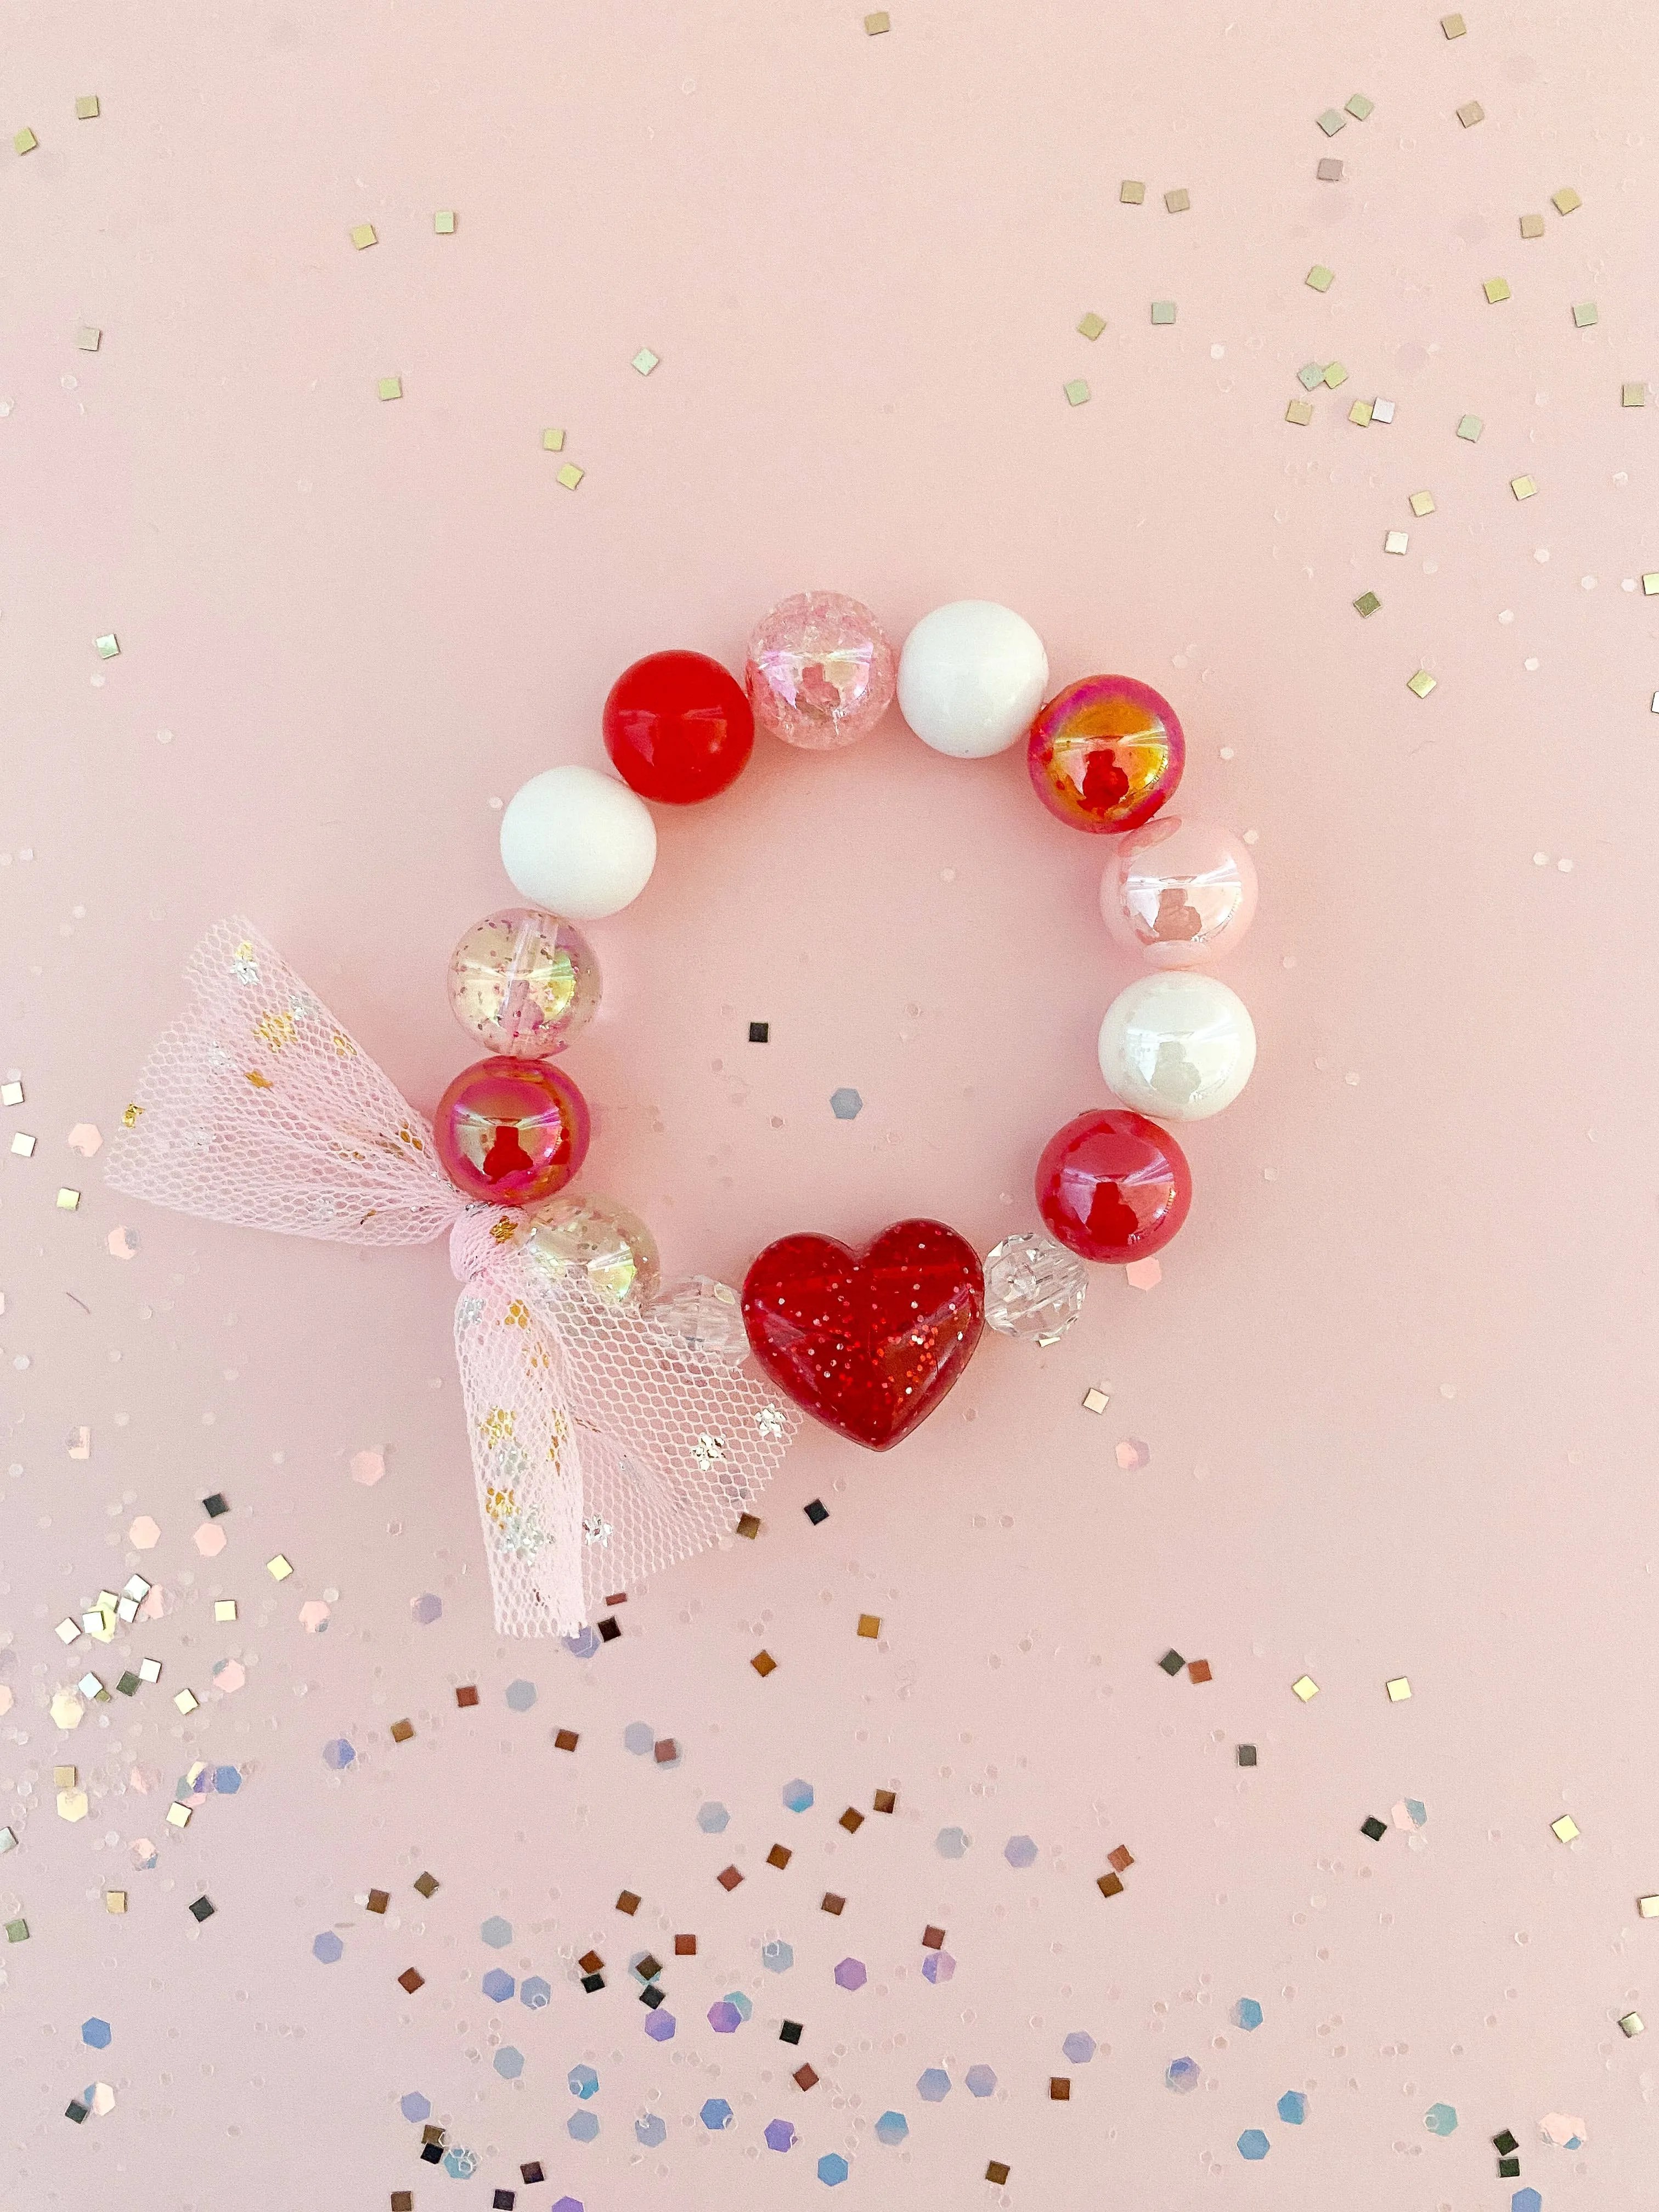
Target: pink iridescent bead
[[820, 672], [1105, 753], [511, 1132], [1180, 892]]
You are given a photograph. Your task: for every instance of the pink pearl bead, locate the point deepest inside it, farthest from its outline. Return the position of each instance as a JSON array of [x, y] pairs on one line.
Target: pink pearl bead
[[821, 673], [511, 1132], [1180, 892]]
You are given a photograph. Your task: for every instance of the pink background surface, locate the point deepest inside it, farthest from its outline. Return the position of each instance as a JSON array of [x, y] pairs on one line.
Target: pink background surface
[[1395, 1383]]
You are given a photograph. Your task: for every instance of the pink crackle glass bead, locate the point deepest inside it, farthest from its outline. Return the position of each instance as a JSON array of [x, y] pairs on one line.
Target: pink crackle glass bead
[[511, 1132], [820, 670], [1105, 753]]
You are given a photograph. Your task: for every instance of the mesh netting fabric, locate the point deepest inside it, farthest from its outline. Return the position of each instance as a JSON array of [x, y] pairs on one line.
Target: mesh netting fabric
[[602, 1449], [602, 1452], [258, 1110]]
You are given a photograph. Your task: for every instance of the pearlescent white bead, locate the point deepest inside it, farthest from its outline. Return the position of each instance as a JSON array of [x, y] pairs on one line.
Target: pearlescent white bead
[[578, 842], [972, 677], [1178, 1046]]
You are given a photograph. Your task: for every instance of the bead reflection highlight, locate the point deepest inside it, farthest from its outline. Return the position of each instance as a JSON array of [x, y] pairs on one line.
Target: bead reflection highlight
[[1179, 1045], [1105, 753], [820, 670], [524, 983], [594, 1237]]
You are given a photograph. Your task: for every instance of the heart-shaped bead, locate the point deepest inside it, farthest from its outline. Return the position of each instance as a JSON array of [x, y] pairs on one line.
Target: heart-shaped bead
[[867, 1342]]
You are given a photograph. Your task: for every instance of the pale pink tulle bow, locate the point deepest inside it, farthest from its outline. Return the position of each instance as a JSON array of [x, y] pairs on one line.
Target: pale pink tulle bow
[[604, 1447]]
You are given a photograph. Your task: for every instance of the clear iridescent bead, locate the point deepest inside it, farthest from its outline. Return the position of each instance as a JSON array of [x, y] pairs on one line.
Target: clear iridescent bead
[[703, 1321], [593, 1238], [1033, 1287]]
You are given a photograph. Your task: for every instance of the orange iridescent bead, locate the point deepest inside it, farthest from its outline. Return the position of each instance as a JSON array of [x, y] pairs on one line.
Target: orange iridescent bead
[[1105, 753]]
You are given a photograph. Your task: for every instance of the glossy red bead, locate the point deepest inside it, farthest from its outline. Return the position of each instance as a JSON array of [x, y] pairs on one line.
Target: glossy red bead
[[1105, 753], [678, 728], [1113, 1186], [511, 1132], [867, 1342]]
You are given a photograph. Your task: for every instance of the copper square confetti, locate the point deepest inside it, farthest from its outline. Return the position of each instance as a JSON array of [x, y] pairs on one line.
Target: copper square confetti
[[467, 1694], [565, 1740], [852, 1819], [1121, 1859], [402, 1731], [728, 1878], [1110, 1885], [886, 1801], [763, 1664], [997, 2173], [1198, 1670], [629, 1902], [832, 1904], [379, 1900]]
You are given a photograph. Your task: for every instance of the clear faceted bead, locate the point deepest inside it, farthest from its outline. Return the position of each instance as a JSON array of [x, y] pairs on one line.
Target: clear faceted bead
[[1033, 1287], [704, 1320], [586, 1236]]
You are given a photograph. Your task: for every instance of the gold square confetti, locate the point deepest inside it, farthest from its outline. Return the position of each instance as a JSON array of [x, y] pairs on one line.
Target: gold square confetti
[[1164, 311], [1586, 314], [1095, 1401], [1399, 1690], [570, 476], [362, 234], [401, 1731], [553, 441], [115, 1900], [1335, 374], [645, 360], [1299, 411], [1565, 200], [1532, 226], [763, 1664], [1359, 106], [224, 1608], [25, 142], [1131, 193], [1361, 413], [187, 1701], [1319, 278], [1648, 1907], [1305, 1687], [1632, 395], [1470, 113], [869, 1625], [1453, 25], [1076, 392], [69, 1201], [85, 107], [1178, 200], [107, 647], [1649, 584], [1422, 503], [1093, 324], [1496, 290], [1422, 683], [1523, 486], [876, 24], [1565, 1829], [178, 1816], [1331, 122], [1632, 2023], [88, 338], [63, 1778], [1397, 541], [444, 222], [1366, 603], [278, 1568]]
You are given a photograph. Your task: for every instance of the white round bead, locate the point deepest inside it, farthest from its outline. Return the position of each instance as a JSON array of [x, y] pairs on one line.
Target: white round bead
[[972, 677], [1178, 1046], [578, 843]]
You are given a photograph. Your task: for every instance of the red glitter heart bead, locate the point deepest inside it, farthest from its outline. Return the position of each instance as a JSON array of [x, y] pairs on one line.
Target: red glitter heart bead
[[867, 1342]]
